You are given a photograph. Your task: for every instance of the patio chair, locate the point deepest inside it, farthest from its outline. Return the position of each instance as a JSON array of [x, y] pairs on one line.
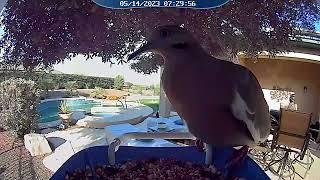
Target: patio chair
[[290, 142]]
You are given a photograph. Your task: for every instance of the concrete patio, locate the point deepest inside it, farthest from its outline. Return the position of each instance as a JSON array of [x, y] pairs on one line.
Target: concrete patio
[[312, 174]]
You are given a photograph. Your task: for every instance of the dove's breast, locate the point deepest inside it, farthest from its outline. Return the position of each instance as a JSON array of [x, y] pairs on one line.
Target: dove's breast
[[202, 96]]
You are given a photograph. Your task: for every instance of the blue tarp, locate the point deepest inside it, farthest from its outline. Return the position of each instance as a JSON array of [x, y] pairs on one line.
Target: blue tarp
[[98, 156]]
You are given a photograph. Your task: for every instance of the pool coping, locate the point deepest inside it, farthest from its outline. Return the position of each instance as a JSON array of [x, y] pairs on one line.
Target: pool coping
[[56, 99], [142, 113]]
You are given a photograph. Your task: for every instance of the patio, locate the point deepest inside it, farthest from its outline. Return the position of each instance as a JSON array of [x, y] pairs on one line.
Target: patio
[[96, 137], [149, 126], [312, 174], [313, 148]]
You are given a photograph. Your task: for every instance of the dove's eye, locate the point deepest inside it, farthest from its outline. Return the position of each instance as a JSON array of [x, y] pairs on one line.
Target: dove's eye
[[164, 34]]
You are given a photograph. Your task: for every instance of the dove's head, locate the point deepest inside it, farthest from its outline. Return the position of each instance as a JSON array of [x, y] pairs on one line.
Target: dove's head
[[164, 39]]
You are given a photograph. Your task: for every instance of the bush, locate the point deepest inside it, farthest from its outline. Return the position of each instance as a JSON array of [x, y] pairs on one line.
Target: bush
[[81, 85], [45, 85], [129, 84], [71, 86], [155, 89], [97, 93], [138, 89], [118, 82], [61, 81], [18, 105]]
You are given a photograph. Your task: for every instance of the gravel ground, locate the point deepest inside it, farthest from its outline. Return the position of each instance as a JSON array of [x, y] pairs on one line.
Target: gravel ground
[[17, 163]]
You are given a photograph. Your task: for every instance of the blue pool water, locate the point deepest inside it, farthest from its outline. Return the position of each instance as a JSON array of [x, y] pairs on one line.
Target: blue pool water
[[49, 110]]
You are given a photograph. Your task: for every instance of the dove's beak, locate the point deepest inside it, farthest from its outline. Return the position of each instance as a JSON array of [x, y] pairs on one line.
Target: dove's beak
[[144, 48]]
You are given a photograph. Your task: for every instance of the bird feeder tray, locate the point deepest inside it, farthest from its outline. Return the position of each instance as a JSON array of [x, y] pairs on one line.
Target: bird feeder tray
[[94, 156]]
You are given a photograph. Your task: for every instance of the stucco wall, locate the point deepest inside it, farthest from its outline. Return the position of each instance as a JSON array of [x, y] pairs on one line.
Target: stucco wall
[[288, 74]]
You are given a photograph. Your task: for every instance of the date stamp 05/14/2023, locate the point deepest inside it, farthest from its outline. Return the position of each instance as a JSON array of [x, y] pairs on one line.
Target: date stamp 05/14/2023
[[157, 3]]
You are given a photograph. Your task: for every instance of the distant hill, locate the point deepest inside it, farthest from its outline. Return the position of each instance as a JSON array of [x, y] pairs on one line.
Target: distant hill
[[56, 72]]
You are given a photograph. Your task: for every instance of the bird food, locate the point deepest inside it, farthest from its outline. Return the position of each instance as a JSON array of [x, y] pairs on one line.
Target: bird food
[[148, 169]]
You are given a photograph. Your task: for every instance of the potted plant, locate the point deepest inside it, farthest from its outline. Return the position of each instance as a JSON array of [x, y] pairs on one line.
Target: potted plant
[[65, 113]]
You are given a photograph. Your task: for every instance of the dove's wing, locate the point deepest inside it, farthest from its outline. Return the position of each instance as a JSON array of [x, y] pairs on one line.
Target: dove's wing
[[249, 105]]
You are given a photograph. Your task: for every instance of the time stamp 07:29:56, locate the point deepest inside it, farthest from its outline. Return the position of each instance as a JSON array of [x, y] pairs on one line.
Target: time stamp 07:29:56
[[158, 3]]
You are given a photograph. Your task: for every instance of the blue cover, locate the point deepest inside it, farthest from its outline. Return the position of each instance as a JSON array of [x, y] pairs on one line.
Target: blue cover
[[98, 155]]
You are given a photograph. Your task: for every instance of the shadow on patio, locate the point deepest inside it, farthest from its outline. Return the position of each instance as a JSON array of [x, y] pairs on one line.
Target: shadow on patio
[[17, 163]]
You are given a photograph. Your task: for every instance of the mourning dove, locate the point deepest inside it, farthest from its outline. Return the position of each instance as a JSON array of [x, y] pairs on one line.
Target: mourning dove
[[221, 102]]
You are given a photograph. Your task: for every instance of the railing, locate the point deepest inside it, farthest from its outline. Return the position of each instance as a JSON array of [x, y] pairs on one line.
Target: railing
[[147, 135]]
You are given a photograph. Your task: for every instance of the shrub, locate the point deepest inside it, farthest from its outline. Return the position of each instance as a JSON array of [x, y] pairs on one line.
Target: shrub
[[129, 84], [64, 107], [157, 90], [81, 85], [71, 86], [61, 81], [65, 114], [45, 85], [118, 82], [18, 105], [97, 93]]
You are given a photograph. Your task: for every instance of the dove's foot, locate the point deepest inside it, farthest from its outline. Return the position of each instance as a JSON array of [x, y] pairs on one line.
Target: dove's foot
[[236, 159]]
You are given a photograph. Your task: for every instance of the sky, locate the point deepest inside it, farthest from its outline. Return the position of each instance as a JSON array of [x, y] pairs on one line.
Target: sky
[[95, 67]]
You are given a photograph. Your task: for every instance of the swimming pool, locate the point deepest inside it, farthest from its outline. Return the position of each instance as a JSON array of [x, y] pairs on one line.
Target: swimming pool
[[48, 110]]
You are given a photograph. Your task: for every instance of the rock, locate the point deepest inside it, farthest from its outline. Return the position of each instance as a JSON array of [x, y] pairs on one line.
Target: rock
[[55, 142], [49, 124], [36, 144], [47, 130], [77, 115]]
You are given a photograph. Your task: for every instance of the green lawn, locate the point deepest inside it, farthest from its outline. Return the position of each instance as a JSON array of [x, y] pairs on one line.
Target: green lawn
[[153, 103]]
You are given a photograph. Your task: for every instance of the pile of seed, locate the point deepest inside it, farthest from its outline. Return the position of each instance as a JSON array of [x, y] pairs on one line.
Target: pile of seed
[[158, 169]]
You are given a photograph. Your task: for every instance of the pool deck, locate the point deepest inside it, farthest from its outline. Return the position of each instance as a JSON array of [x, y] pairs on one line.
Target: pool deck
[[79, 138], [89, 131]]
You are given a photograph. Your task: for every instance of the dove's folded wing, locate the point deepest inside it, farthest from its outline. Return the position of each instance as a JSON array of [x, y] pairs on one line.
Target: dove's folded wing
[[249, 106]]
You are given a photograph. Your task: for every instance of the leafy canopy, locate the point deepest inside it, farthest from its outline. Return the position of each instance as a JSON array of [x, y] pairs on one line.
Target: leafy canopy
[[45, 32]]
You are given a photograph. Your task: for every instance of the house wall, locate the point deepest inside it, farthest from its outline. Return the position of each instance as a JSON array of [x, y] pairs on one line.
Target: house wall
[[290, 75]]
